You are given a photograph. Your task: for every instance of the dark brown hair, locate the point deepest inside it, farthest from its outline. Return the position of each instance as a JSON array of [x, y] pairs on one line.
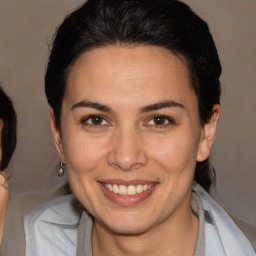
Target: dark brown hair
[[8, 115]]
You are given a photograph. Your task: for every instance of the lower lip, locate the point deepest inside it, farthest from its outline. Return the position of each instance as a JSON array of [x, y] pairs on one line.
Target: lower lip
[[127, 200]]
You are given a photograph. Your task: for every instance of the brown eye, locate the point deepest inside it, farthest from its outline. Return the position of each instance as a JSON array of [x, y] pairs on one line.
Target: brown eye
[[95, 120], [159, 120]]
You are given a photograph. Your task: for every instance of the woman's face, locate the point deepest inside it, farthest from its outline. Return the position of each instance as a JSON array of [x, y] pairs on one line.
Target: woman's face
[[131, 136]]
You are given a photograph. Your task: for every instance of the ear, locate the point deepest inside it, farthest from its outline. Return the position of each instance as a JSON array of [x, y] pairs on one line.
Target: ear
[[208, 134], [56, 136]]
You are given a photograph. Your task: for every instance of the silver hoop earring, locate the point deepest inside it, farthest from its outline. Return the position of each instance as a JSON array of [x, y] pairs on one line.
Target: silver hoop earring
[[61, 171]]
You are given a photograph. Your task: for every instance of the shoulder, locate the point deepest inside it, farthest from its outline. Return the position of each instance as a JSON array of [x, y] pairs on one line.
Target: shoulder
[[52, 227], [221, 228], [59, 210], [19, 206], [248, 230]]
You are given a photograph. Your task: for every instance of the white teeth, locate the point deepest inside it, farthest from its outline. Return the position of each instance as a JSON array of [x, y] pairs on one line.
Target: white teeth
[[127, 190], [122, 190], [131, 190], [110, 187], [139, 189], [115, 189]]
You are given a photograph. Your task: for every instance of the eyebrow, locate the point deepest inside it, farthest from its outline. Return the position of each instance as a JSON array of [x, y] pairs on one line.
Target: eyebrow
[[160, 105], [89, 104], [148, 108]]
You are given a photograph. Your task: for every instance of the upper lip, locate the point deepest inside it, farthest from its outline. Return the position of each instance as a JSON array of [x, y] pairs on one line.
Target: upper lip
[[127, 182]]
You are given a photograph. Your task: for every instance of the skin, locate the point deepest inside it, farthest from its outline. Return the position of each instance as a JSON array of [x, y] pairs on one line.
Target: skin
[[126, 143], [4, 193]]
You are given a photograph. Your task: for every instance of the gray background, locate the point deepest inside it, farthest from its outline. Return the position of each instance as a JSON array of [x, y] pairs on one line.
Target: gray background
[[26, 30]]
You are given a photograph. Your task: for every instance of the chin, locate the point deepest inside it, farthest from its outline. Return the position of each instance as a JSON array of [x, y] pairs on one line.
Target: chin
[[127, 225]]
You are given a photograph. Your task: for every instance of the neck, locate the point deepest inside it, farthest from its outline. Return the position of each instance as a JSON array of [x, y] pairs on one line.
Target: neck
[[175, 236]]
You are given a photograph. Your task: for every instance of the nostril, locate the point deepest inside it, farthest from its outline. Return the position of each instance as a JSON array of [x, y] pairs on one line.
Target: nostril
[[127, 162], [127, 150]]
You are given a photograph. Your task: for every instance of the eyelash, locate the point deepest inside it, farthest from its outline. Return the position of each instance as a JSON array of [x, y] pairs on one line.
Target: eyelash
[[167, 121]]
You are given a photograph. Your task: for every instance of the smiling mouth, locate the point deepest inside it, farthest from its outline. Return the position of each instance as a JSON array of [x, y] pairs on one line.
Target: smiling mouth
[[127, 190]]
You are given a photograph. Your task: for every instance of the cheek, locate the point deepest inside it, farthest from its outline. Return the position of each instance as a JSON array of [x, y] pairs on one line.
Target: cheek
[[175, 151], [82, 153], [84, 159]]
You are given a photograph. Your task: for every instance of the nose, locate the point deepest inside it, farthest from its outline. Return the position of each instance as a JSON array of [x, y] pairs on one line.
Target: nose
[[127, 151]]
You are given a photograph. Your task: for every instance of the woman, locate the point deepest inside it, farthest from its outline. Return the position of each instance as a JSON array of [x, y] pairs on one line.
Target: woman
[[134, 93], [7, 146]]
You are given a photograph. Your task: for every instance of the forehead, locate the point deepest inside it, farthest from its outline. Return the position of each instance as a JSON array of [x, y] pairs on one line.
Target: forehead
[[124, 72]]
